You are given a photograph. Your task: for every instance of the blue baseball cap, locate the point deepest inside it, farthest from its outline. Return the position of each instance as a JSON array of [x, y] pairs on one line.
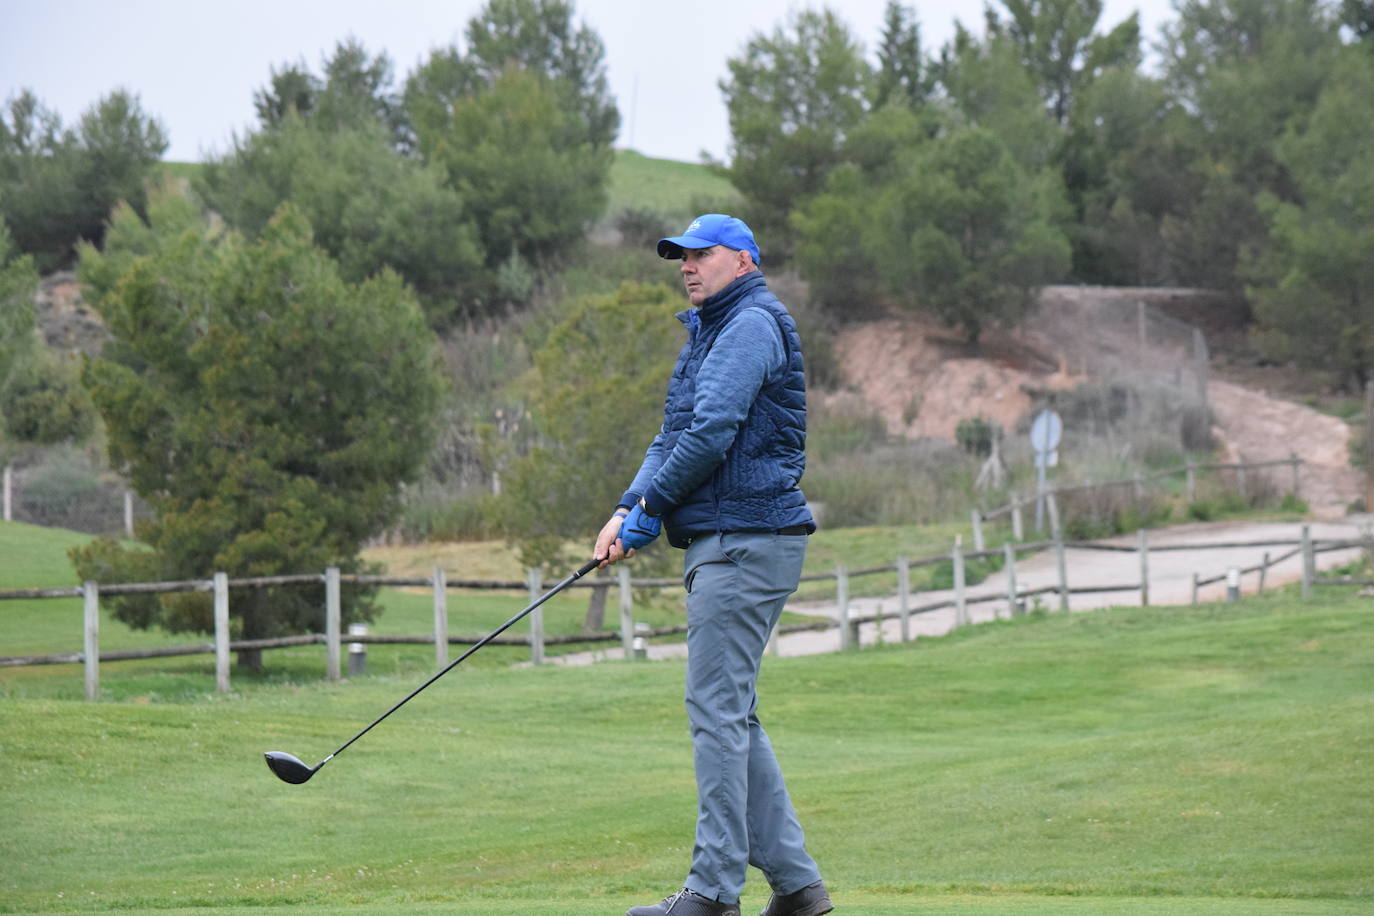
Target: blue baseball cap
[[712, 229]]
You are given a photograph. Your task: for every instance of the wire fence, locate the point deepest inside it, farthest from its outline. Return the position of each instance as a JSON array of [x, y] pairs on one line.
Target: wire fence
[[1244, 478], [70, 492], [1124, 334]]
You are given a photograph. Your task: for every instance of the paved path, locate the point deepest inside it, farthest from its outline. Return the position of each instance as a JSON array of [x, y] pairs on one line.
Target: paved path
[[1170, 581]]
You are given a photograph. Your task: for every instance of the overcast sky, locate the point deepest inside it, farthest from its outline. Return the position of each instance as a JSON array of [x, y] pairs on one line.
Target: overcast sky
[[195, 64]]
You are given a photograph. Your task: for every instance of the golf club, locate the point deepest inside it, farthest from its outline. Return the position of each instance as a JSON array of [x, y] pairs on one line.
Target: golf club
[[290, 768]]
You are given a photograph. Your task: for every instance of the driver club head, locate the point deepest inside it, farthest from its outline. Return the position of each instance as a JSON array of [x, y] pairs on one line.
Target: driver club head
[[288, 767]]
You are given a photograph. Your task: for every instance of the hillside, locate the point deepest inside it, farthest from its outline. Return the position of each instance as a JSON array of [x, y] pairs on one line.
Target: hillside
[[922, 380]]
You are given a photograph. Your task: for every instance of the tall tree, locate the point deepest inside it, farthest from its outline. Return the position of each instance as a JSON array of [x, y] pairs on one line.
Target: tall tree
[[988, 86], [58, 185], [521, 124], [265, 408], [793, 96], [1059, 46], [1128, 161], [539, 36], [583, 394], [954, 228], [1313, 287], [18, 281], [1358, 15], [903, 76], [373, 207], [1247, 71]]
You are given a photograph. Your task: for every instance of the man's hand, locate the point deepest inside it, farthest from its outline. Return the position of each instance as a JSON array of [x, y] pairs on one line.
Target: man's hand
[[639, 529], [608, 547]]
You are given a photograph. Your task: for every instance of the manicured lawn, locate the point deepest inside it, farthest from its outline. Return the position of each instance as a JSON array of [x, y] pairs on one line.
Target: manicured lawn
[[1137, 761]]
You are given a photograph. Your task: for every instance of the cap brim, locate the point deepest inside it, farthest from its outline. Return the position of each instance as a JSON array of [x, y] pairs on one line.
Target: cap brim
[[671, 249]]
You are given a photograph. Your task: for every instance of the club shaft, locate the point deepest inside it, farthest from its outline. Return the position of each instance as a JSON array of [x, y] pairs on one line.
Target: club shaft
[[588, 567]]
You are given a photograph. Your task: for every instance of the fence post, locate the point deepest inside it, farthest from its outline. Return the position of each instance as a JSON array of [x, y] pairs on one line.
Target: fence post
[[536, 619], [847, 640], [1369, 446], [904, 597], [1308, 562], [960, 600], [1053, 503], [440, 585], [977, 529], [1263, 571], [1201, 365], [129, 513], [627, 619], [332, 616], [1191, 485], [90, 642], [1240, 481], [1144, 547], [1013, 600], [1063, 569], [1018, 527], [9, 494], [222, 632]]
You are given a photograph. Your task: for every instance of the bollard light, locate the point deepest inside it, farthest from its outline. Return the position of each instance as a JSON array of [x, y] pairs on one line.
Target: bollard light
[[1232, 584], [357, 651]]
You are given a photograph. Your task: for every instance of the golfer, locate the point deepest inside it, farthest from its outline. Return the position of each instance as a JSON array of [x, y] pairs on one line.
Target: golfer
[[722, 475]]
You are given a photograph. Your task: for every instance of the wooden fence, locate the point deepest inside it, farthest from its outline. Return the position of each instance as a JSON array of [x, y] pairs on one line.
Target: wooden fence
[[629, 635], [1014, 509]]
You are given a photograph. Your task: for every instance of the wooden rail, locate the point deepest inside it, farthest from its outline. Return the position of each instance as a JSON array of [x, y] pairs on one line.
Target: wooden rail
[[629, 634]]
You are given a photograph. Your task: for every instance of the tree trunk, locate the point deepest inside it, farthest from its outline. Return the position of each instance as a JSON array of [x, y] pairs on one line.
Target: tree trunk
[[250, 660], [596, 605]]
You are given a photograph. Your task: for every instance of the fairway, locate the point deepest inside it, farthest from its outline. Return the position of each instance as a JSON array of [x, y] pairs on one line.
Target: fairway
[[1206, 760]]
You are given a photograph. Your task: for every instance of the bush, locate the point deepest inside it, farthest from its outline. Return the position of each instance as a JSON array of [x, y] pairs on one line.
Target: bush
[[430, 515], [64, 488], [1110, 510], [44, 401], [888, 483], [641, 227], [974, 435], [976, 569]]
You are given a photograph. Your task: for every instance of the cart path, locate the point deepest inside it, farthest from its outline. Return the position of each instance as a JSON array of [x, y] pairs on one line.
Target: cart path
[[1170, 580]]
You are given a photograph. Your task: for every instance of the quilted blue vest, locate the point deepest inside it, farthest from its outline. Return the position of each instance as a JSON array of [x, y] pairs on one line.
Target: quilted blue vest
[[756, 487]]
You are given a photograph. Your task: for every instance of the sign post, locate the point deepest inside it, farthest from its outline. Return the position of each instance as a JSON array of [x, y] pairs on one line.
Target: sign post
[[1046, 430]]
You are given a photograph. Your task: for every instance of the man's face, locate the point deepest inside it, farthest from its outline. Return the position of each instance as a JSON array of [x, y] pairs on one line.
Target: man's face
[[707, 271]]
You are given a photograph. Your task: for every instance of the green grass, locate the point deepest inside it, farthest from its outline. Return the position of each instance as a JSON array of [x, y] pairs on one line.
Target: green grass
[[673, 189], [1145, 761], [637, 182], [36, 557], [184, 170]]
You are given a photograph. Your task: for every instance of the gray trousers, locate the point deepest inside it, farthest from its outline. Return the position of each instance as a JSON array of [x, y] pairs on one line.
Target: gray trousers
[[736, 586]]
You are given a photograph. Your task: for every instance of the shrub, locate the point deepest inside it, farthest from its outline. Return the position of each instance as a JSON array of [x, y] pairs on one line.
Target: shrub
[[974, 435]]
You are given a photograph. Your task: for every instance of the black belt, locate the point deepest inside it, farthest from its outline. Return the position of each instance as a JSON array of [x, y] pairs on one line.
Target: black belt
[[789, 531]]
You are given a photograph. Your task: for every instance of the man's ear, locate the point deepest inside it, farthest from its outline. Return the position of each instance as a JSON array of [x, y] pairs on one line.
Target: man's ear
[[744, 263]]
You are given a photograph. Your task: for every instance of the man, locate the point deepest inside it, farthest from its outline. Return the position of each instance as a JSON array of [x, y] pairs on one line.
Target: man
[[723, 476]]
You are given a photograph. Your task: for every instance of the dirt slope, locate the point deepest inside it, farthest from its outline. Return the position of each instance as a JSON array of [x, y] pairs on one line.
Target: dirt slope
[[1252, 426], [922, 382]]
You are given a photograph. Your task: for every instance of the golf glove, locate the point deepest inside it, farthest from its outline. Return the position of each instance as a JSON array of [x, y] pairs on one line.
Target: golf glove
[[639, 529]]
